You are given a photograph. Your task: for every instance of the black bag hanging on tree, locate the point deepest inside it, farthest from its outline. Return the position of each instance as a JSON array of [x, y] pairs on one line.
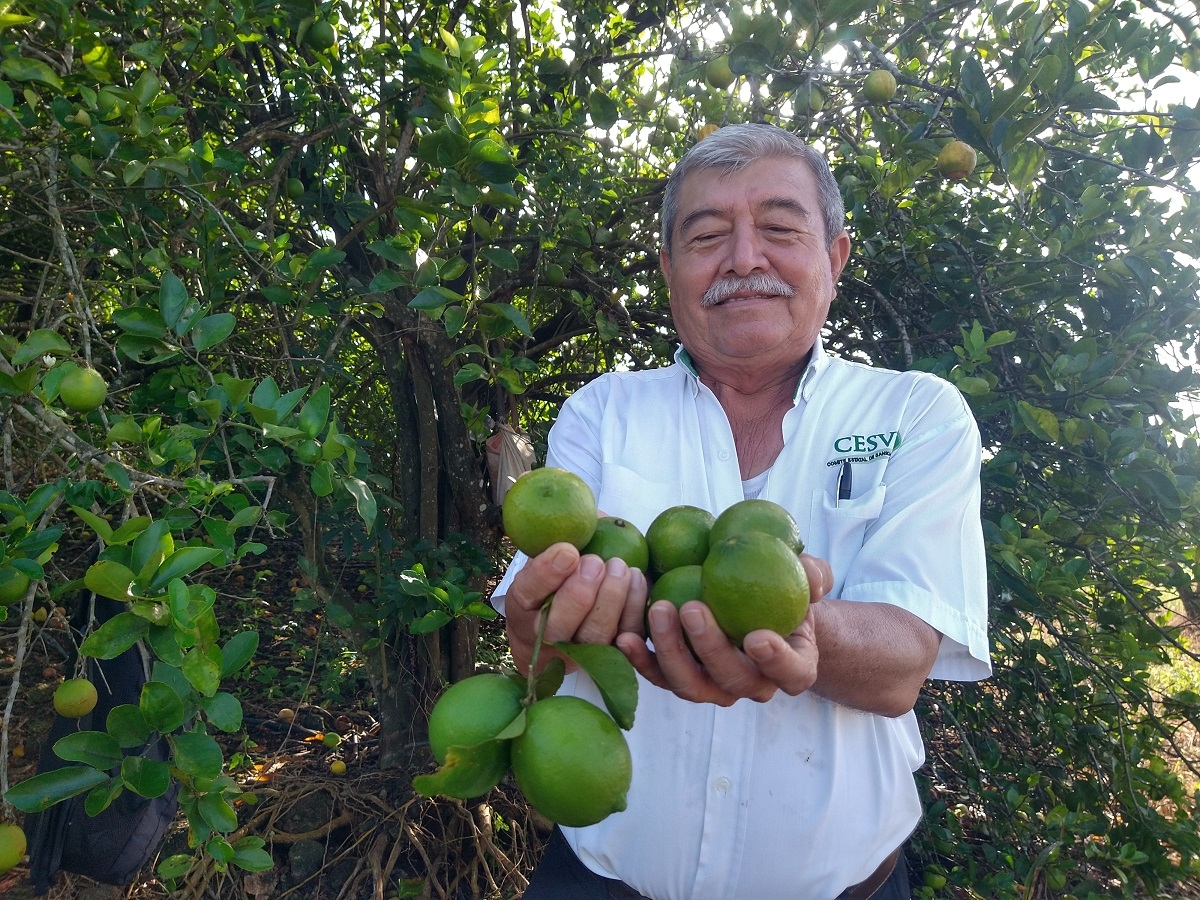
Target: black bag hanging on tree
[[115, 845]]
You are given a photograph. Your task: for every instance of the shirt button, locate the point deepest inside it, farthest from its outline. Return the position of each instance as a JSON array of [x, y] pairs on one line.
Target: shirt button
[[723, 784], [723, 455]]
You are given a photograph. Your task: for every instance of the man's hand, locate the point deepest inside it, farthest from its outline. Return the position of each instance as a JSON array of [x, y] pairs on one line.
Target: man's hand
[[594, 600], [724, 674]]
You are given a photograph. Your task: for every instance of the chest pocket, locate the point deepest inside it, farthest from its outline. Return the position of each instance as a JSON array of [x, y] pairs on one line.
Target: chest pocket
[[627, 494], [836, 530]]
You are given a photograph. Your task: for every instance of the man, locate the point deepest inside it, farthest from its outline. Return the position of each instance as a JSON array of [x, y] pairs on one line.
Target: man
[[783, 770]]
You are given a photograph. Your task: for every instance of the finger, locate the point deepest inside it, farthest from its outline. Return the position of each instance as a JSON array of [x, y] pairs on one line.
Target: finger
[[601, 623], [790, 665], [642, 658], [820, 576], [684, 674], [574, 599], [633, 617], [541, 576], [730, 669]]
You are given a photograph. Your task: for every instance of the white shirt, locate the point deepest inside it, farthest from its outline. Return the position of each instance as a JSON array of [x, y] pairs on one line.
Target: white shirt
[[799, 797]]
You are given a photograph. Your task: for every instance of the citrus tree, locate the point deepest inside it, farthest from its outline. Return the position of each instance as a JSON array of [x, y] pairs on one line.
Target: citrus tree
[[317, 250]]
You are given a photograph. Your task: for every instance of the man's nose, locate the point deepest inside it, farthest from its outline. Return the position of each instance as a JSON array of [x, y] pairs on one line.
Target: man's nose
[[745, 251]]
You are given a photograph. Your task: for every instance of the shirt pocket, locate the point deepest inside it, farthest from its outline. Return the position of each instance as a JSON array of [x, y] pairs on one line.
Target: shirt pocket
[[625, 493], [836, 529]]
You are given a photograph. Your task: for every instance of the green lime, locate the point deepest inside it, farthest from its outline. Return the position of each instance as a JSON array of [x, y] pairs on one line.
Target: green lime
[[14, 584], [752, 581], [82, 389], [766, 516], [571, 761], [548, 505], [616, 537], [469, 713], [678, 536]]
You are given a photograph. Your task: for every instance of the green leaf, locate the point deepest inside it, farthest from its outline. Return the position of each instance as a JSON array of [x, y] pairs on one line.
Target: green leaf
[[364, 501], [550, 679], [315, 412], [202, 671], [172, 300], [613, 674], [1041, 422], [24, 69], [433, 299], [197, 754], [387, 280], [102, 795], [93, 748], [175, 866], [100, 526], [161, 706], [182, 562], [40, 343], [253, 859], [238, 651], [128, 726], [602, 109], [39, 793], [460, 776], [115, 636], [223, 710], [217, 813], [211, 330], [750, 57], [321, 479], [148, 778], [429, 622]]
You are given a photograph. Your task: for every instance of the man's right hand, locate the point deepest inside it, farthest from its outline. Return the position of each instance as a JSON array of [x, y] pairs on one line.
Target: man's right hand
[[594, 601]]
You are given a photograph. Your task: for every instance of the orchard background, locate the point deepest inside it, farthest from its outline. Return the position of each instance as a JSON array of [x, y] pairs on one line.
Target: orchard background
[[321, 251]]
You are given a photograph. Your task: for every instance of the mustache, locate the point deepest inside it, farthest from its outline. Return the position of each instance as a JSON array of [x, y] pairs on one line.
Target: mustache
[[764, 284]]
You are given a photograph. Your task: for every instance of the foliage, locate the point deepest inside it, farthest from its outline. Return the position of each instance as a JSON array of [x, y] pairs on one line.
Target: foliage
[[311, 272]]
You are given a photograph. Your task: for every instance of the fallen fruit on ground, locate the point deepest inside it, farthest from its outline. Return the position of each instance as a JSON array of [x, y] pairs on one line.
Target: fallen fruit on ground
[[618, 538], [757, 515], [754, 580], [956, 160], [548, 505], [82, 389], [879, 86], [14, 584], [337, 767], [679, 536], [468, 715], [572, 762], [12, 846], [75, 697]]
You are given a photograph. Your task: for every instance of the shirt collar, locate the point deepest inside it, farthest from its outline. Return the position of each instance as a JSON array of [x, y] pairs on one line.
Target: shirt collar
[[804, 388]]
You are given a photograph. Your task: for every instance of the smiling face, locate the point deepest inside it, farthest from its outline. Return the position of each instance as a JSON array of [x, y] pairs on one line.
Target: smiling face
[[754, 242]]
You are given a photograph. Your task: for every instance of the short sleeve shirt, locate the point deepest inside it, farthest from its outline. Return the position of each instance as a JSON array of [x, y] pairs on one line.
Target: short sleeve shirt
[[798, 797]]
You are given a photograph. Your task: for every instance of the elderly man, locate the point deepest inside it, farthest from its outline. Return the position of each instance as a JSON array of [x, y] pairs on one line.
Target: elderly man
[[783, 769]]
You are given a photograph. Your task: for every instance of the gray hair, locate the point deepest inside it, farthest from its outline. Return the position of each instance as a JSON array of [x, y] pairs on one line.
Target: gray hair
[[734, 147]]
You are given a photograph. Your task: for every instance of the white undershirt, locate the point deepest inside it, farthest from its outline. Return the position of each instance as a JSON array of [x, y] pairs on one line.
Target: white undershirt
[[752, 487]]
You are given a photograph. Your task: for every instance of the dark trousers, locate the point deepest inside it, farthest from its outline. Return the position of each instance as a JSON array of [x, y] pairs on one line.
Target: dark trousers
[[561, 876]]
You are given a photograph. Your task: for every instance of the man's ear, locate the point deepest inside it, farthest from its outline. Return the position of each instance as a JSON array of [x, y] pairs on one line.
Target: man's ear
[[838, 254], [664, 262]]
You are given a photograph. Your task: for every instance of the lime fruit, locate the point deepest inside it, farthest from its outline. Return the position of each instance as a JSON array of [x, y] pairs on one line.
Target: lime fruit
[[548, 505], [308, 451], [555, 274], [571, 761], [321, 35], [82, 389], [12, 846], [956, 160], [679, 585], [748, 516], [295, 188], [879, 86], [337, 767], [717, 72], [678, 536], [14, 584], [75, 697], [616, 537], [472, 712], [752, 581], [331, 739]]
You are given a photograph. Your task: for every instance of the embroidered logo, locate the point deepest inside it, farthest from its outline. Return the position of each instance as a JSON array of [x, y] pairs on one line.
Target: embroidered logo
[[866, 447]]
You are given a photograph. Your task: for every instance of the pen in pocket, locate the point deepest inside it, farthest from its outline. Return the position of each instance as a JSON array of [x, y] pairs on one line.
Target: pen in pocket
[[845, 482]]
